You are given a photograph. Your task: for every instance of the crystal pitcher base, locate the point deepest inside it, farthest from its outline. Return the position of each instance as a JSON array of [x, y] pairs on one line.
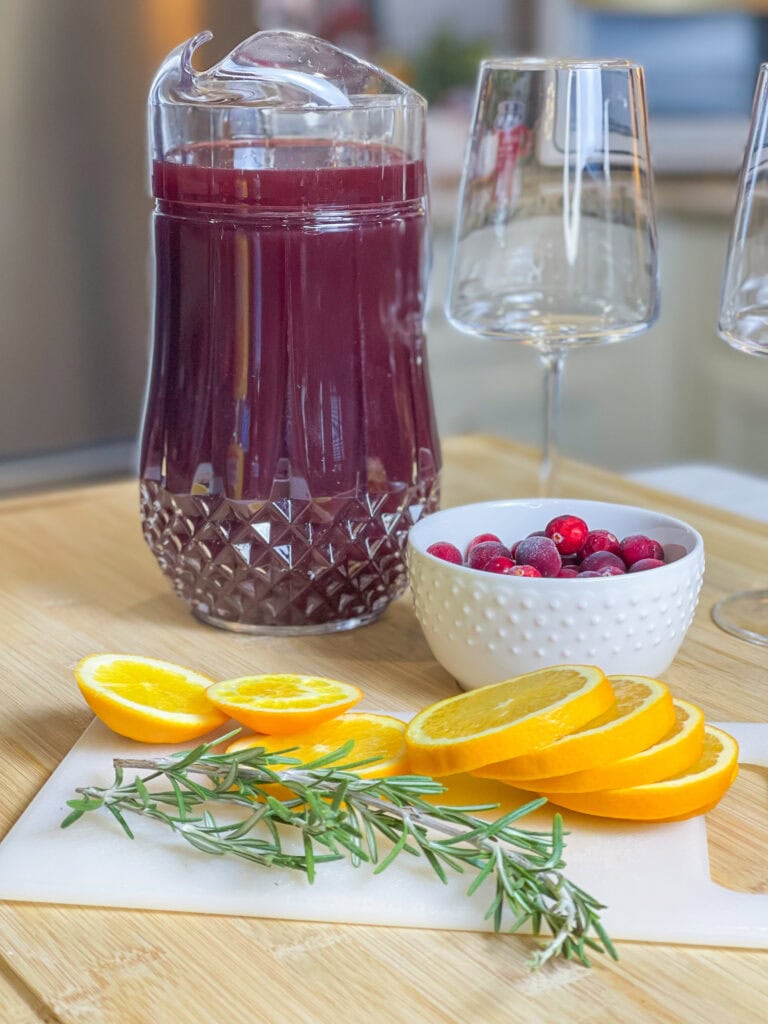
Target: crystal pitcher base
[[288, 567]]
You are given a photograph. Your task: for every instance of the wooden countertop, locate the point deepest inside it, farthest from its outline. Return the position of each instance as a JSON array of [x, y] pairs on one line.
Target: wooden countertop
[[76, 578]]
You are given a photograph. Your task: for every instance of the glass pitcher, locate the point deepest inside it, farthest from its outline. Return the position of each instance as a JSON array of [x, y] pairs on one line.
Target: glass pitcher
[[289, 439]]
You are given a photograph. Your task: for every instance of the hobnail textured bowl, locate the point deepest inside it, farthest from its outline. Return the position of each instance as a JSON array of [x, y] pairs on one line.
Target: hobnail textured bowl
[[483, 627]]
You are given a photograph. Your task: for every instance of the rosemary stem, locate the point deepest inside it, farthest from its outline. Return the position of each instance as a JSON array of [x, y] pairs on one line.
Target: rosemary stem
[[410, 815]]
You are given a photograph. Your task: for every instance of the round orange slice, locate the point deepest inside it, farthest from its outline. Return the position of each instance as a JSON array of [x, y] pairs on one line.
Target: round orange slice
[[695, 790], [673, 753], [281, 704], [516, 716], [375, 736], [642, 713], [146, 699]]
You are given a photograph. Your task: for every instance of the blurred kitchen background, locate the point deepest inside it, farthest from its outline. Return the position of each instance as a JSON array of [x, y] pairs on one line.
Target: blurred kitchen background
[[74, 216]]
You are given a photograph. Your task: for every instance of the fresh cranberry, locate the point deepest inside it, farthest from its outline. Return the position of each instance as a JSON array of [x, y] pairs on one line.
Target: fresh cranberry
[[522, 570], [599, 540], [599, 559], [482, 553], [541, 553], [611, 570], [637, 547], [481, 538], [589, 573], [672, 552], [513, 547], [646, 563], [448, 552], [568, 532], [568, 572], [499, 564]]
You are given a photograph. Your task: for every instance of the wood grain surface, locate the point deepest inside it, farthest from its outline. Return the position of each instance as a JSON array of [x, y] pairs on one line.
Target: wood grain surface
[[77, 578]]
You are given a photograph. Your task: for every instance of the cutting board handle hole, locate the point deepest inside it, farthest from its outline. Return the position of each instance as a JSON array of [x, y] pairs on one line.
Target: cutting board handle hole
[[730, 823]]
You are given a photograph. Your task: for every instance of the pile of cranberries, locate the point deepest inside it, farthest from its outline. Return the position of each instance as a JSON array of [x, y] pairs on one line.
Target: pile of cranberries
[[565, 548]]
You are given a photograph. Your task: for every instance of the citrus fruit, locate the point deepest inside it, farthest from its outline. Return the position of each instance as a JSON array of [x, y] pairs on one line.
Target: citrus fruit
[[378, 736], [673, 753], [642, 713], [692, 791], [146, 699], [280, 704], [516, 716]]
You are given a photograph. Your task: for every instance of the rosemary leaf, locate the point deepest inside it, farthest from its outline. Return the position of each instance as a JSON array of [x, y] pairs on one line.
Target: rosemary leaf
[[437, 867], [356, 850], [73, 815], [181, 804], [191, 785], [309, 855], [189, 757], [393, 853], [332, 758], [120, 819], [481, 876]]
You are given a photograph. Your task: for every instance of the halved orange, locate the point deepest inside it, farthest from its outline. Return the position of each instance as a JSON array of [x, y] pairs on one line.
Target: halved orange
[[375, 736], [643, 712], [673, 753], [692, 791], [516, 716], [147, 699], [280, 704]]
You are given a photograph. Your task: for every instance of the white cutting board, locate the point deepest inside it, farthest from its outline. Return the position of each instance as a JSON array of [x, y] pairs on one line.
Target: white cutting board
[[654, 879]]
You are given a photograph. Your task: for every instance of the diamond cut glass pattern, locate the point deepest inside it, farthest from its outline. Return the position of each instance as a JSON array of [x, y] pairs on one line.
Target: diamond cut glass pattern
[[260, 564]]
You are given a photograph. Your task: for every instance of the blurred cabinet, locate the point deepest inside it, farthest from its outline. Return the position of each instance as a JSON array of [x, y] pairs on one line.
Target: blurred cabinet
[[700, 59]]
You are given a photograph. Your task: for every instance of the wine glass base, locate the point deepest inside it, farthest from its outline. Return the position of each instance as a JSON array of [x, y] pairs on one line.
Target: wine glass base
[[745, 615]]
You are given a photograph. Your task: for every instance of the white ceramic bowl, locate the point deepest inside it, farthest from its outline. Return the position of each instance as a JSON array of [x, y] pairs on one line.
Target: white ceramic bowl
[[484, 627]]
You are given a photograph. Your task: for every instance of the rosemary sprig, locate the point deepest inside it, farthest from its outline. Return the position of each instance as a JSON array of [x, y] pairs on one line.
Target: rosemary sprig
[[336, 815]]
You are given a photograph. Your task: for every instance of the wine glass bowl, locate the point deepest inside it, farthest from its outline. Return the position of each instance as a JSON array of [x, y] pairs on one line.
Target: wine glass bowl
[[743, 317], [743, 314], [555, 243]]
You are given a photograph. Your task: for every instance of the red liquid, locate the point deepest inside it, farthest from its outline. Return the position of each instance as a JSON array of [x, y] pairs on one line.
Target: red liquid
[[289, 438]]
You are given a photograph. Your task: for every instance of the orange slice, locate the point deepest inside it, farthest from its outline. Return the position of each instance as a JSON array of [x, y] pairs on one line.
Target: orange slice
[[674, 752], [643, 712], [280, 704], [378, 736], [693, 791], [146, 699], [519, 715]]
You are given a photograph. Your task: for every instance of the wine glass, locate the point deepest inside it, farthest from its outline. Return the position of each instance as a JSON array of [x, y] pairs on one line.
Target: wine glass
[[555, 242], [743, 318]]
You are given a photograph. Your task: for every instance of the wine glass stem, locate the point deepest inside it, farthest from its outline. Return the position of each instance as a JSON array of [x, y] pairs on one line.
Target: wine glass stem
[[553, 373]]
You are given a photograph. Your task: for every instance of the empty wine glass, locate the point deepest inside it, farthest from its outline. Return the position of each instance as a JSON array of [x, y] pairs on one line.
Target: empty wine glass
[[743, 319], [555, 241]]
